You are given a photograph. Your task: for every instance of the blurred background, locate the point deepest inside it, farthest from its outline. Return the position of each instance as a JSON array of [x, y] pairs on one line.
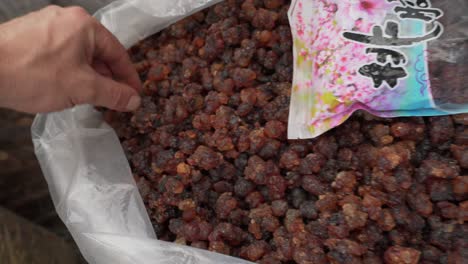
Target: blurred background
[[30, 230]]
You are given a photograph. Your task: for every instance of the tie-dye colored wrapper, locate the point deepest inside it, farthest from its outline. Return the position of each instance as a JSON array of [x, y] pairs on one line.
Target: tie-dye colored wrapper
[[388, 57]]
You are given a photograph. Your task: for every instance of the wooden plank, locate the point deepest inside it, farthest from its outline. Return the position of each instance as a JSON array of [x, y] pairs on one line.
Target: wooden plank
[[90, 5], [23, 189], [23, 243], [12, 9]]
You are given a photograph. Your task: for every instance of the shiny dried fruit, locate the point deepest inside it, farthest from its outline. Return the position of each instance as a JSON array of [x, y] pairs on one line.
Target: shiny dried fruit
[[401, 255], [209, 153], [354, 217], [225, 205], [205, 158]]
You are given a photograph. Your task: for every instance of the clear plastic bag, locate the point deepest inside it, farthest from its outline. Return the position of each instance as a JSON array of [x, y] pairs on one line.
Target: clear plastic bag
[[88, 174]]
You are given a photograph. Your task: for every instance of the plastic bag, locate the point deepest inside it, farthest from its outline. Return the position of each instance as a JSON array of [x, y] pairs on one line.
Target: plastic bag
[[389, 57], [87, 172]]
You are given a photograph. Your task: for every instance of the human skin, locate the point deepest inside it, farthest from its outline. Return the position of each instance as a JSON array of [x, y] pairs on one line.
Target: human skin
[[57, 58]]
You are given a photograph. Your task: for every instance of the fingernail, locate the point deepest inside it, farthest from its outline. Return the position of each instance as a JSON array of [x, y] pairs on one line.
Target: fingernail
[[134, 103]]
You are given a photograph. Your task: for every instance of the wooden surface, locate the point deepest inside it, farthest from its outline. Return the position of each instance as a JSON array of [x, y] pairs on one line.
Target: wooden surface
[[23, 189], [13, 8], [90, 5], [23, 242]]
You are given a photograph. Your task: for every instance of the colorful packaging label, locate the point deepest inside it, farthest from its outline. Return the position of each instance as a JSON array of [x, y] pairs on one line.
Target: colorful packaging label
[[363, 54]]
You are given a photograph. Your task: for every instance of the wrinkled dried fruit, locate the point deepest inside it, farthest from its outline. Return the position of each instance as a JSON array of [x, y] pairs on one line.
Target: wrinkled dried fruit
[[209, 153]]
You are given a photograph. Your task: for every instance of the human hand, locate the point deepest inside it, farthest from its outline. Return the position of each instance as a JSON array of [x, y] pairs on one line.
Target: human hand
[[56, 58]]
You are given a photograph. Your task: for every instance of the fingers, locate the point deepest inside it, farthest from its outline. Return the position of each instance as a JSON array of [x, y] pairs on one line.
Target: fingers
[[112, 81], [110, 52], [102, 69], [99, 90], [115, 95]]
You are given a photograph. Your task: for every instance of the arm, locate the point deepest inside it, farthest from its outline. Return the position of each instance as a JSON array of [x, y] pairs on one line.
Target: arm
[[56, 58]]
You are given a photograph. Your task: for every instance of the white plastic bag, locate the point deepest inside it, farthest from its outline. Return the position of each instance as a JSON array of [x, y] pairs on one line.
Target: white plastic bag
[[88, 175]]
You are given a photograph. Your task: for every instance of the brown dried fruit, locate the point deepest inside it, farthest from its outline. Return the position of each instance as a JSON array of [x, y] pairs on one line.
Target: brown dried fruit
[[401, 255], [209, 152]]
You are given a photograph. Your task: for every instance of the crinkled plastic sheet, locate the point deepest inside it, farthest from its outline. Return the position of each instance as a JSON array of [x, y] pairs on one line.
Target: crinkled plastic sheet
[[134, 20], [88, 174]]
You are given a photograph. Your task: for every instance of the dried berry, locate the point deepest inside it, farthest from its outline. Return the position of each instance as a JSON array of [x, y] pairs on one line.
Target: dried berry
[[225, 204], [399, 255], [209, 153], [279, 207], [308, 210], [274, 129], [205, 158]]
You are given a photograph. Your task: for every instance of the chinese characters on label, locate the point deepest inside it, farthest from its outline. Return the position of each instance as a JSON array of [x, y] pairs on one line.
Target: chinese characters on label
[[385, 40]]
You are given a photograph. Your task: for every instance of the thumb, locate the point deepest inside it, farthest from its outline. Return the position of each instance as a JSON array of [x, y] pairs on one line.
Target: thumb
[[111, 94]]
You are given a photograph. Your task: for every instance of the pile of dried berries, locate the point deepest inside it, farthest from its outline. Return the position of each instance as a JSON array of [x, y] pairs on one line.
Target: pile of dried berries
[[209, 152]]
